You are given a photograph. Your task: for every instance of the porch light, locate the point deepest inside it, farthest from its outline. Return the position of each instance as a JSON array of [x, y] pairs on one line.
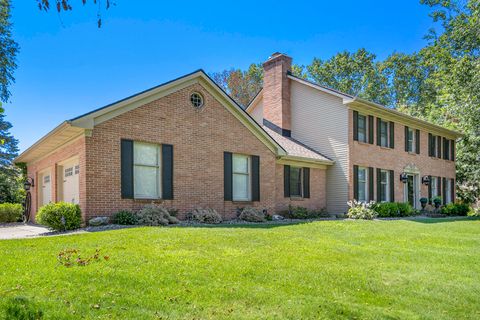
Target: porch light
[[28, 184], [426, 180], [403, 177]]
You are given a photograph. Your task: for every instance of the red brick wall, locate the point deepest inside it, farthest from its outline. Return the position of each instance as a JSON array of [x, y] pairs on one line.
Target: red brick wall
[[75, 148], [371, 155], [318, 187], [199, 139]]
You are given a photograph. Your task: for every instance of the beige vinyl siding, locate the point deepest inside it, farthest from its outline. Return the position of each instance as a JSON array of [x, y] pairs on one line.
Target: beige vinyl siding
[[320, 120], [257, 112]]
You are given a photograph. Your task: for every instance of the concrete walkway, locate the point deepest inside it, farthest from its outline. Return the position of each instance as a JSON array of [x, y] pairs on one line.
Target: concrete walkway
[[20, 230]]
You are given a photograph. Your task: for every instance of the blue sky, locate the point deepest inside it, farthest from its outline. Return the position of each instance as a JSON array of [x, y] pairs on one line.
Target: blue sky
[[67, 66]]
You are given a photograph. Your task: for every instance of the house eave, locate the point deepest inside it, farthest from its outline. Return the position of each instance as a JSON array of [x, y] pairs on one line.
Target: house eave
[[304, 162]]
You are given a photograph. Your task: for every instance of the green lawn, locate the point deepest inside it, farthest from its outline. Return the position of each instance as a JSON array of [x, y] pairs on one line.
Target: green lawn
[[423, 269]]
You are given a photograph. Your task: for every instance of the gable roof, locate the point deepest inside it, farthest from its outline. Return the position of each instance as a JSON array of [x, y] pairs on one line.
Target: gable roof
[[82, 125]]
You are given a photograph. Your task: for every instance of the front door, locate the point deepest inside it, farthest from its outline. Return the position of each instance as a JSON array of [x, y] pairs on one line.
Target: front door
[[411, 190]]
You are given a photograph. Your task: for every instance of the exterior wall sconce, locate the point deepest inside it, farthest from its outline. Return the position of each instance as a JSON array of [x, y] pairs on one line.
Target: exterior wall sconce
[[403, 177], [426, 180], [28, 184]]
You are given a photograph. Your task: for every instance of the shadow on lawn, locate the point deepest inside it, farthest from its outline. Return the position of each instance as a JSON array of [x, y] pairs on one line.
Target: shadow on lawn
[[428, 220], [263, 225]]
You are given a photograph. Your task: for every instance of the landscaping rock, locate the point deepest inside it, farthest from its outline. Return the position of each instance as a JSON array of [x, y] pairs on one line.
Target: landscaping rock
[[98, 221], [277, 217]]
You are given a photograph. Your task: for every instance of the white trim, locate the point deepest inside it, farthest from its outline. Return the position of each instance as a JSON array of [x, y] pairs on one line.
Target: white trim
[[321, 88], [248, 174]]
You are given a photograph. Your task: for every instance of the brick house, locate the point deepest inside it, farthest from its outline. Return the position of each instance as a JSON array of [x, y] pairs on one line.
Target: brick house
[[187, 144]]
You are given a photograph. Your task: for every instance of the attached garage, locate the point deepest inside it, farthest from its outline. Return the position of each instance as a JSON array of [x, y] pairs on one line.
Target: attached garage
[[68, 178], [45, 190]]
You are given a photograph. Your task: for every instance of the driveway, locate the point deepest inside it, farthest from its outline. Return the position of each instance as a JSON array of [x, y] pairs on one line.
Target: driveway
[[20, 230]]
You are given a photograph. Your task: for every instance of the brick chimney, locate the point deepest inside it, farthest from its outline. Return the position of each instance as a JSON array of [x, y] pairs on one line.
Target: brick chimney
[[276, 93]]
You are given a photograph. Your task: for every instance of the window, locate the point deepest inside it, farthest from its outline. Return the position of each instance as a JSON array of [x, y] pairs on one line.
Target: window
[[77, 169], [241, 177], [448, 190], [362, 184], [384, 185], [434, 186], [146, 170], [362, 128], [446, 149], [296, 179], [197, 100], [384, 133], [435, 146], [410, 140], [69, 172]]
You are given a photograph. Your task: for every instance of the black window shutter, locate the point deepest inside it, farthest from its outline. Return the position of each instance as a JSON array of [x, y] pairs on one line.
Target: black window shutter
[[126, 167], [286, 181], [306, 182], [392, 135], [379, 185], [430, 145], [417, 141], [370, 184], [406, 138], [430, 190], [167, 171], [355, 182], [379, 140], [255, 178], [227, 176], [452, 150], [355, 125], [444, 190], [439, 145], [452, 188], [370, 129], [392, 186]]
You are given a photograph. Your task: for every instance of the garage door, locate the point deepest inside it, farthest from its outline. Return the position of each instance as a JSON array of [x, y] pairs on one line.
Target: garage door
[[46, 189], [70, 182]]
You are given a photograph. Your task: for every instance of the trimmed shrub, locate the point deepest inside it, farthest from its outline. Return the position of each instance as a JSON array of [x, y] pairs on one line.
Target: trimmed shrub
[[20, 308], [455, 209], [474, 212], [304, 213], [252, 215], [361, 210], [124, 217], [405, 209], [386, 209], [205, 216], [10, 212], [51, 215], [153, 215]]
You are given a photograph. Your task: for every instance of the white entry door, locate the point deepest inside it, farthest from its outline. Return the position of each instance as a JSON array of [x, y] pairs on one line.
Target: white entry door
[[46, 189], [70, 182]]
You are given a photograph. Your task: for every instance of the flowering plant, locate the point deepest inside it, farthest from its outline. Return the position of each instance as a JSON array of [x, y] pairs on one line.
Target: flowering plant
[[361, 210]]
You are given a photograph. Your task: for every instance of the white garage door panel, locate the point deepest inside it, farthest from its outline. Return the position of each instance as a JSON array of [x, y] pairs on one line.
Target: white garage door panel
[[46, 189], [71, 183]]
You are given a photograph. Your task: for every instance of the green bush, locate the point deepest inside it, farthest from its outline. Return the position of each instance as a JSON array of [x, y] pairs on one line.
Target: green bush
[[304, 213], [10, 212], [474, 212], [207, 215], [386, 209], [153, 215], [124, 217], [252, 215], [51, 215], [455, 209], [20, 308], [405, 209]]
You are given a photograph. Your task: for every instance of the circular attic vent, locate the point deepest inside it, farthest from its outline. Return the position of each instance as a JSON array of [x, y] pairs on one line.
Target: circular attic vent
[[197, 100]]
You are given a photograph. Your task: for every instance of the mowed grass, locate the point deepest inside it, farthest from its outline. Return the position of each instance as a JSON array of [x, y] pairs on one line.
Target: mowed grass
[[423, 269]]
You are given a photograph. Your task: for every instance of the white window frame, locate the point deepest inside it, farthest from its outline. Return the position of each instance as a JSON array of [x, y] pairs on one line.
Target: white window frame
[[411, 142], [366, 184], [387, 185], [158, 167], [365, 133], [387, 133], [434, 187], [248, 173], [448, 190], [301, 182]]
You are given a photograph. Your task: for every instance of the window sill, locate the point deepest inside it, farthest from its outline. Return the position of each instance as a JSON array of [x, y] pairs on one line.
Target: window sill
[[297, 198], [386, 148], [147, 199], [413, 153], [364, 143], [242, 201]]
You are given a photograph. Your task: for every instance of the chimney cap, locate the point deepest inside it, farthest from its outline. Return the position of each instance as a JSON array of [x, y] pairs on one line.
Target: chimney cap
[[277, 54]]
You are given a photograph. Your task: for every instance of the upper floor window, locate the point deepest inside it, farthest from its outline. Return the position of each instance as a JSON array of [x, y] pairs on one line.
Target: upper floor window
[[146, 170], [434, 146], [384, 133], [241, 171], [362, 128], [412, 140]]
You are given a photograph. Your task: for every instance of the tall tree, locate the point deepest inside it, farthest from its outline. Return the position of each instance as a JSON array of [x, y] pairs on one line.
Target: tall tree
[[8, 51], [9, 174]]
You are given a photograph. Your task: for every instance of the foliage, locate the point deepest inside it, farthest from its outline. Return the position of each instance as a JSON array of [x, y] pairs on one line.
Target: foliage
[[10, 212], [153, 215], [297, 212], [124, 217], [252, 215], [65, 5], [11, 188], [60, 216], [393, 209], [361, 210], [72, 257], [8, 52], [405, 209], [207, 215], [455, 209], [20, 308], [474, 212]]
